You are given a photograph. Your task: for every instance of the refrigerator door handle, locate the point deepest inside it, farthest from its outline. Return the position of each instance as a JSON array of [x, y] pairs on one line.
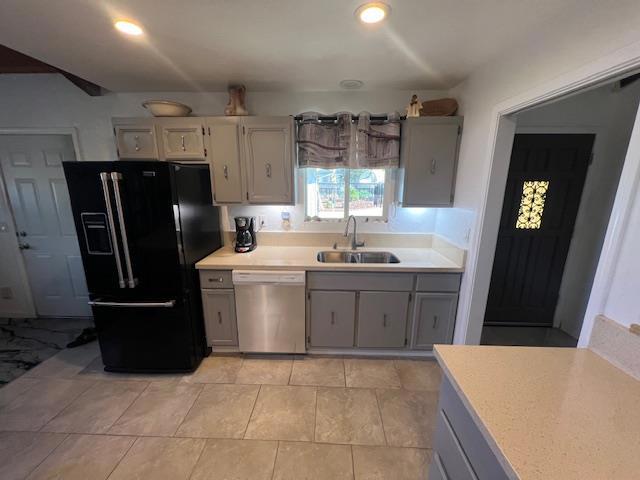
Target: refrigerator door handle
[[116, 177], [169, 304], [104, 179]]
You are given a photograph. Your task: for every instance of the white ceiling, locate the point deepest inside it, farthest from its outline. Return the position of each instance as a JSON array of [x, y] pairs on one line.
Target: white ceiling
[[304, 45]]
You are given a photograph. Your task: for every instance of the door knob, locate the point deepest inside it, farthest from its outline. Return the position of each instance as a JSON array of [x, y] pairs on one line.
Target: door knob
[[24, 246]]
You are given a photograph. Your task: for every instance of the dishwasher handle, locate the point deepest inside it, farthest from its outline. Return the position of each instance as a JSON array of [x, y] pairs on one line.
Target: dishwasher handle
[[268, 277]]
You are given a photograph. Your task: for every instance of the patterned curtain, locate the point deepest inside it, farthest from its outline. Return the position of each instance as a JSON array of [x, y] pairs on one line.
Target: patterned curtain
[[324, 145], [377, 145], [345, 144]]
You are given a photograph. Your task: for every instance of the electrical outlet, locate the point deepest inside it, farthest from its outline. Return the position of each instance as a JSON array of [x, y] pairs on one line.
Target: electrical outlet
[[262, 222], [4, 227]]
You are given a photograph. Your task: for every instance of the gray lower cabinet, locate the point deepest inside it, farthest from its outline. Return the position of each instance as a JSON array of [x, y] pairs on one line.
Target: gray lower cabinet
[[220, 317], [434, 318], [332, 318], [382, 319], [460, 450]]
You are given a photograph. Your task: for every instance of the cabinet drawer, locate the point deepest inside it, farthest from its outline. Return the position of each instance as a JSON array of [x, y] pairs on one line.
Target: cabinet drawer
[[332, 318], [220, 317], [438, 282], [215, 279], [382, 319], [477, 450], [453, 458], [397, 282]]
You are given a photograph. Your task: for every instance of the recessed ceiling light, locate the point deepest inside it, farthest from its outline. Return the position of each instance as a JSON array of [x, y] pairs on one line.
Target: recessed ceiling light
[[351, 84], [129, 28], [373, 12]]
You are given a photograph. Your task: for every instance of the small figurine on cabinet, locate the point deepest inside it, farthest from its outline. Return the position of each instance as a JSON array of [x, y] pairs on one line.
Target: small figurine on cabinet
[[413, 110], [236, 104]]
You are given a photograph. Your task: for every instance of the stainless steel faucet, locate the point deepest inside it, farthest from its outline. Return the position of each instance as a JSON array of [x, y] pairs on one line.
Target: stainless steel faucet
[[354, 240]]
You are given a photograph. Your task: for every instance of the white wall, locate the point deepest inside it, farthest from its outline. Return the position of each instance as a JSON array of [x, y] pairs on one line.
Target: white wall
[[609, 113], [623, 304], [589, 42]]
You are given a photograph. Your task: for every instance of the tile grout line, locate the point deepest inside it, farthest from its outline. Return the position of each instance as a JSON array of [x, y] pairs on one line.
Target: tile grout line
[[290, 373], [127, 409], [353, 463], [66, 435], [251, 414], [68, 404], [315, 414], [275, 459], [195, 464], [189, 410], [122, 458], [384, 432]]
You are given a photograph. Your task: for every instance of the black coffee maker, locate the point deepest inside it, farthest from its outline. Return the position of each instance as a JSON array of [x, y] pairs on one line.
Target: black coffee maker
[[245, 234]]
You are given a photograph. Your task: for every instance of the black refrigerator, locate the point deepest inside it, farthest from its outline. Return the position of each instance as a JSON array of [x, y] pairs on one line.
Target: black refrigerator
[[142, 226]]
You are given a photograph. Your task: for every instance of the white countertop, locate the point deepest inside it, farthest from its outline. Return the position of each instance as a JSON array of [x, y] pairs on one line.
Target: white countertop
[[550, 413], [304, 258]]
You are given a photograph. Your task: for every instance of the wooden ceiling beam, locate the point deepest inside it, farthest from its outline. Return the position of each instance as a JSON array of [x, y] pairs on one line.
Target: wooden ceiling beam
[[12, 61]]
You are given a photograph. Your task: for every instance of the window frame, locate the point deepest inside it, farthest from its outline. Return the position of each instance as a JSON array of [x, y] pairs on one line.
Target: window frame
[[387, 198]]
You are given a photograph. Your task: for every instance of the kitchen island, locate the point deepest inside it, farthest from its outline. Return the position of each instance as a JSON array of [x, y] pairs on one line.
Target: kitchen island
[[535, 413]]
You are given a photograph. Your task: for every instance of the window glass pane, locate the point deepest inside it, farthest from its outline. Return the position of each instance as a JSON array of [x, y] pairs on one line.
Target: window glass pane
[[366, 192], [325, 192], [534, 194]]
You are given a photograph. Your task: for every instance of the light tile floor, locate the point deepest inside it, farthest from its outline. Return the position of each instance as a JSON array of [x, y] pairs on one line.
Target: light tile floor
[[234, 418]]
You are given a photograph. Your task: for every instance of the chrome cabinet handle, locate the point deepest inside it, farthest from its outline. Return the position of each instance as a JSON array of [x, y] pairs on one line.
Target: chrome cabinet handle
[[433, 166], [116, 177], [220, 318], [435, 321], [333, 318], [268, 168], [104, 179], [219, 279], [384, 320], [137, 147], [182, 142], [225, 171], [24, 246], [98, 303]]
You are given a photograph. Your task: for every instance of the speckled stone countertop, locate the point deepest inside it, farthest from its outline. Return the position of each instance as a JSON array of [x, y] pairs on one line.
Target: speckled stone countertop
[[550, 413], [304, 258]]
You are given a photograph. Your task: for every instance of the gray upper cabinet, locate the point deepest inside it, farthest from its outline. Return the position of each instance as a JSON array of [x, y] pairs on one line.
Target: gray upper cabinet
[[136, 141], [433, 319], [331, 318], [428, 160], [220, 317], [268, 155], [182, 139], [382, 319], [227, 175]]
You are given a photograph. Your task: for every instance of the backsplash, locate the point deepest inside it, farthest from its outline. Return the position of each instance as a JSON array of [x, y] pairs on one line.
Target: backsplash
[[617, 344]]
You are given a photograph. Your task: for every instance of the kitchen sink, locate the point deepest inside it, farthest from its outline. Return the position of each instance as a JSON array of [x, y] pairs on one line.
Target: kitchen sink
[[357, 257]]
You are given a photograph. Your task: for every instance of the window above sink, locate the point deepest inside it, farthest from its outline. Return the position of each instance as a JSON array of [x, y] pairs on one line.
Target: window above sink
[[334, 194]]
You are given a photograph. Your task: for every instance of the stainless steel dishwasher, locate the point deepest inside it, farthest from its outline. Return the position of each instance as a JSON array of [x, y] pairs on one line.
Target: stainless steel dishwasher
[[270, 309]]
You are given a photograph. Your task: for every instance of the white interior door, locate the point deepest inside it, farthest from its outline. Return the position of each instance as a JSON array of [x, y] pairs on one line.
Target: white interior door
[[37, 190]]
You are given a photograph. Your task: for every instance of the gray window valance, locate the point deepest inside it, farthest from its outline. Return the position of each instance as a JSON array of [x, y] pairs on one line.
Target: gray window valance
[[348, 142]]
